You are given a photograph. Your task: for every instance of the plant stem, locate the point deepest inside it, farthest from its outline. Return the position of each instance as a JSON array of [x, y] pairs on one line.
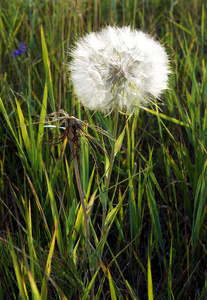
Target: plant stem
[[109, 171], [77, 175]]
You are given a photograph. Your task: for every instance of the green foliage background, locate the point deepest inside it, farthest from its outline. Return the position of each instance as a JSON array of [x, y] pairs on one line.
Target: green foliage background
[[154, 243]]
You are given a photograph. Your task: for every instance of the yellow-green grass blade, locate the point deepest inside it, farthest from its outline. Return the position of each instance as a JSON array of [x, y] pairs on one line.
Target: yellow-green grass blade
[[31, 128], [19, 147], [30, 240], [84, 163], [203, 15], [24, 132], [47, 69], [97, 297], [88, 204], [170, 277], [106, 169], [85, 295], [165, 117], [3, 32], [13, 216], [110, 218], [114, 289], [88, 192], [154, 213], [35, 292], [79, 208], [78, 222], [39, 207], [69, 225], [141, 189], [114, 260], [179, 25], [111, 285], [149, 278], [140, 263], [112, 213], [41, 130], [204, 82], [55, 214], [119, 142], [200, 203], [48, 263], [187, 53], [55, 172], [18, 26], [132, 293], [19, 276]]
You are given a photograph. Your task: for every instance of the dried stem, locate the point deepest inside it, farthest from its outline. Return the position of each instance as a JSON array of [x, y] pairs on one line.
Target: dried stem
[[70, 137]]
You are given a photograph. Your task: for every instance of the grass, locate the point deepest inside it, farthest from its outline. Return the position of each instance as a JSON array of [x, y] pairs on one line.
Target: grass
[[153, 245]]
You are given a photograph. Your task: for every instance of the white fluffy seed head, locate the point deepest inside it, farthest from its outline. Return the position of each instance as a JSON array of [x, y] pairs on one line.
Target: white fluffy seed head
[[118, 68]]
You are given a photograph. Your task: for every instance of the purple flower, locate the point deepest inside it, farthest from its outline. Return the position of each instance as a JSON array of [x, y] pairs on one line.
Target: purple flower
[[15, 53], [21, 50], [22, 47]]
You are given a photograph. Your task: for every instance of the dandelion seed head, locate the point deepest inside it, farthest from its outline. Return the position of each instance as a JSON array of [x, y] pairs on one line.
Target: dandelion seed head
[[118, 68]]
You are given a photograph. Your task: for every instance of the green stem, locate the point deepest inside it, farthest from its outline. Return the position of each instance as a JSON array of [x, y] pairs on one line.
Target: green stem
[[109, 171]]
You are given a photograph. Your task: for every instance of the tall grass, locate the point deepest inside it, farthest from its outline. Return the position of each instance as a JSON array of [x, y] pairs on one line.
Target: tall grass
[[154, 240]]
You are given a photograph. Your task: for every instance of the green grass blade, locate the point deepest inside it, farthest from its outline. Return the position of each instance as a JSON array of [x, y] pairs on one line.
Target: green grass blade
[[41, 130], [19, 277], [149, 279], [20, 150], [35, 292], [119, 142], [39, 208], [111, 285], [47, 69], [55, 214], [154, 214], [200, 206], [85, 295], [24, 132], [48, 264], [165, 117]]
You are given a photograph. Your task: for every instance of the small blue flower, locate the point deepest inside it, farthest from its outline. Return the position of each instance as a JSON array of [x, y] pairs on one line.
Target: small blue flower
[[15, 53], [22, 47], [21, 50]]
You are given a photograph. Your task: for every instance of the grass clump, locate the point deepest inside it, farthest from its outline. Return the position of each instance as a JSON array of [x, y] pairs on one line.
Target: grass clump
[[154, 241]]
